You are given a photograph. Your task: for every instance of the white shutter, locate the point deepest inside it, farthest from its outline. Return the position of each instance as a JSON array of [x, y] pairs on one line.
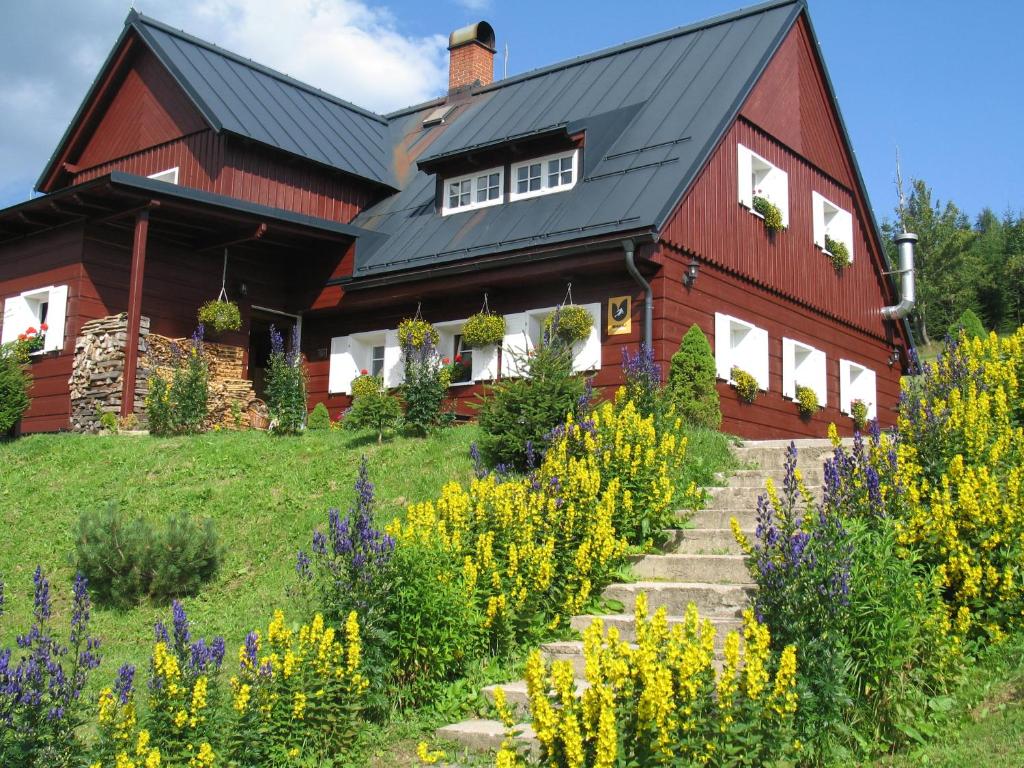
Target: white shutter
[[758, 341], [516, 343], [845, 395], [788, 368], [586, 355], [394, 367], [723, 348], [485, 363], [55, 318], [819, 376], [818, 214], [16, 319], [869, 393], [343, 366], [780, 192], [844, 229], [745, 176]]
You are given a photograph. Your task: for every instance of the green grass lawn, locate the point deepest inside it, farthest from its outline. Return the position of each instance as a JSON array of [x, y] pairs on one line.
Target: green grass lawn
[[265, 494]]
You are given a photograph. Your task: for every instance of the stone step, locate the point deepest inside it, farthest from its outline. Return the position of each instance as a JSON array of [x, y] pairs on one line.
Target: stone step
[[697, 541], [755, 478], [729, 497], [572, 652], [517, 697], [626, 625], [486, 735], [719, 518], [713, 569], [710, 599], [772, 454]]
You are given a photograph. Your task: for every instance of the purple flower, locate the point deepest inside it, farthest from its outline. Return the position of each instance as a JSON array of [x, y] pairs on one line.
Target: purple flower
[[319, 543], [160, 633], [252, 649], [182, 637], [41, 608], [276, 341], [302, 565], [124, 683]]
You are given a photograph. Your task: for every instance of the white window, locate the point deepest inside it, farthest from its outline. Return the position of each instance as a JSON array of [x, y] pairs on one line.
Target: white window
[[544, 175], [742, 345], [856, 383], [479, 364], [34, 309], [476, 190], [832, 221], [524, 331], [376, 353], [803, 365], [759, 178], [170, 176]]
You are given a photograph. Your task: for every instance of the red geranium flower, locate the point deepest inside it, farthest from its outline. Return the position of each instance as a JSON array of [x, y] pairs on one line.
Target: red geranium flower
[[364, 372], [31, 331], [22, 337], [44, 327], [458, 358], [446, 361]]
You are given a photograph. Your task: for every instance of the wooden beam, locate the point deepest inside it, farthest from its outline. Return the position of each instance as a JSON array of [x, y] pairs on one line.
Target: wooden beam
[[131, 350], [244, 236]]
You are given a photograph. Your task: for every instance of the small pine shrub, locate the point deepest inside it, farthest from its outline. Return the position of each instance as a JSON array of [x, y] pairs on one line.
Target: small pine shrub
[[373, 407], [807, 401], [15, 384], [838, 253], [220, 315], [771, 213], [517, 415], [286, 385], [127, 560], [319, 418], [745, 383], [568, 324], [970, 324], [691, 383]]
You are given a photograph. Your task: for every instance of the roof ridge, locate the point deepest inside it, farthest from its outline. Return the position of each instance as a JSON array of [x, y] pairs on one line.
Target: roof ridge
[[134, 17], [641, 42]]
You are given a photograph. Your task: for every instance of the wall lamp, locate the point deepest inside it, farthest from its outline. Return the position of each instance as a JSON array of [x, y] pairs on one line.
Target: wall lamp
[[690, 276], [894, 357]]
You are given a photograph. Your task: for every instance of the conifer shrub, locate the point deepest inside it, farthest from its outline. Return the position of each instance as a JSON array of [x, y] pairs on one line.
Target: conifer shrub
[[319, 418], [970, 324], [128, 559], [15, 383], [286, 385], [373, 407], [691, 382]]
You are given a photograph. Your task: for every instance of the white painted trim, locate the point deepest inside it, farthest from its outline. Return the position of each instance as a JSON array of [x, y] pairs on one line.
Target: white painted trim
[[774, 186], [750, 354], [857, 382], [472, 178], [159, 175], [810, 372], [544, 188], [838, 225]]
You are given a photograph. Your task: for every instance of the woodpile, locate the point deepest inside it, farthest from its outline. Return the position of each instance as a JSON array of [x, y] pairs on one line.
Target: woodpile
[[96, 378], [95, 382]]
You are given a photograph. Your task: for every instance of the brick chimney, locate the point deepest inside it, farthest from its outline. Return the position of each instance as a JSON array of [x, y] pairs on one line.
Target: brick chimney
[[472, 56]]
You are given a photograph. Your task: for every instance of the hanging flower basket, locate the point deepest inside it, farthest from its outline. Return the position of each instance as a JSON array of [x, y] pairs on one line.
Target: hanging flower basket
[[769, 212], [745, 383], [807, 401], [414, 331], [484, 329], [574, 324], [220, 315], [837, 253]]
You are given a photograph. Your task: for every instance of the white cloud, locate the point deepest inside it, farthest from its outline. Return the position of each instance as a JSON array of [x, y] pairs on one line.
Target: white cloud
[[474, 5]]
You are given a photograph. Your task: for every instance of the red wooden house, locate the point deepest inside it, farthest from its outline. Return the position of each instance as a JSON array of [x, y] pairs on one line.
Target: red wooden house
[[628, 174]]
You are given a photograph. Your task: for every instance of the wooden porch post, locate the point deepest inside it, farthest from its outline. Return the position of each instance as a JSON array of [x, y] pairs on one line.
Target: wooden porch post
[[131, 350]]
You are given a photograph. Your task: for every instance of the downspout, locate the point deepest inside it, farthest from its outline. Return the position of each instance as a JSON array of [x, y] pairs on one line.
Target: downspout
[[627, 246], [905, 242]]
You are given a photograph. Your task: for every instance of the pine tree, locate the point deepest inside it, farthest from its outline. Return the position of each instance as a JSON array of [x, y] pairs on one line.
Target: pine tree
[[691, 382]]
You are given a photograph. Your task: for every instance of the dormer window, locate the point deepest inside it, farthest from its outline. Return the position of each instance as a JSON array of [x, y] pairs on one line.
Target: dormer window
[[831, 223], [759, 178], [476, 190], [544, 175]]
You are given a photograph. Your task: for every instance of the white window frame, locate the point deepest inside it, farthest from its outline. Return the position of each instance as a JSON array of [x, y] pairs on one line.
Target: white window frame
[[169, 176], [545, 187], [857, 382], [23, 311], [473, 179], [352, 354], [741, 344], [806, 366], [754, 172], [831, 220], [446, 333]]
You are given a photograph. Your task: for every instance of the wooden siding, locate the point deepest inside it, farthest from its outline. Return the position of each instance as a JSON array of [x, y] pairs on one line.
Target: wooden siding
[[53, 258], [147, 110], [772, 415]]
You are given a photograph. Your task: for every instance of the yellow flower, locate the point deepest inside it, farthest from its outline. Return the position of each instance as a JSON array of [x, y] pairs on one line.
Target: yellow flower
[[426, 756]]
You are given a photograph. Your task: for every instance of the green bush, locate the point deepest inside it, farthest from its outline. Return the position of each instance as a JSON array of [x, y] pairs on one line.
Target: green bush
[[108, 422], [179, 407], [127, 560], [859, 414], [425, 387], [319, 418], [691, 382], [568, 324], [484, 329], [286, 386], [970, 324], [517, 414], [373, 408], [746, 385], [15, 383], [220, 315]]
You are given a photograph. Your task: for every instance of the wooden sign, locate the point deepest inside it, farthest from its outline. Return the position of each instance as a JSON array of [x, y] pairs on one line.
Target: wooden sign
[[620, 315]]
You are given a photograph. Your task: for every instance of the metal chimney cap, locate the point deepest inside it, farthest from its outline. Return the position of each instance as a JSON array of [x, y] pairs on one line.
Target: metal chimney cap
[[905, 237], [481, 32]]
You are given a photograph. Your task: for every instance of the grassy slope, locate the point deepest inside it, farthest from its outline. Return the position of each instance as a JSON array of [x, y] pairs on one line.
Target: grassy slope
[[265, 494]]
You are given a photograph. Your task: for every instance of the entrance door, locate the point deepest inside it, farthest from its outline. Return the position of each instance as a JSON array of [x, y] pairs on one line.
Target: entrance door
[[259, 344]]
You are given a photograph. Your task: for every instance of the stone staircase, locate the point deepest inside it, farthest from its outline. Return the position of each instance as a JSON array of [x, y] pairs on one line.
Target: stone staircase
[[700, 564]]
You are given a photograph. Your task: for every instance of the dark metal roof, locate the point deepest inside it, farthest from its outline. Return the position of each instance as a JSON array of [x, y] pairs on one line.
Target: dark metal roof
[[652, 112]]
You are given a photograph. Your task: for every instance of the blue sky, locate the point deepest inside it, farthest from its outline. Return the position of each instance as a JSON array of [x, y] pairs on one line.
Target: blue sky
[[939, 79]]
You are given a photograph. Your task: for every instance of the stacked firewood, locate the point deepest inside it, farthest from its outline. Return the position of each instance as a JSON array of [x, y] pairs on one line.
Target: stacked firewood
[[95, 382]]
